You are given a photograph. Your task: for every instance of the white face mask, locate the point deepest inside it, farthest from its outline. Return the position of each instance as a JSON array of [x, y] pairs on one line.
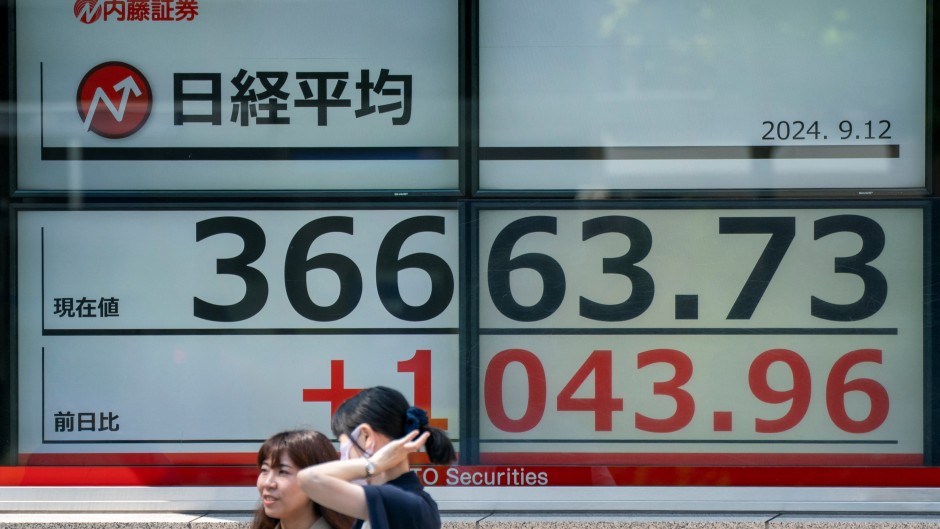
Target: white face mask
[[346, 446], [353, 440]]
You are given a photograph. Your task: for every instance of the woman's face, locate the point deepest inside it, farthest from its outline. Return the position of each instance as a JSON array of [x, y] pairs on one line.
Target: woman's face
[[280, 492]]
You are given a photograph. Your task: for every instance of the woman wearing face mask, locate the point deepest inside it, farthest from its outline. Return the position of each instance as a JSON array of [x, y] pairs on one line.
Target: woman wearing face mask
[[372, 481], [283, 504]]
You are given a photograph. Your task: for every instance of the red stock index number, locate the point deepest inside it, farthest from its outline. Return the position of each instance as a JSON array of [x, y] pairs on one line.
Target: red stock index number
[[603, 403], [419, 365]]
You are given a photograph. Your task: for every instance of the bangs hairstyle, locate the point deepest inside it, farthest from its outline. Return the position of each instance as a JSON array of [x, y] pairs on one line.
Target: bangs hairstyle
[[304, 447]]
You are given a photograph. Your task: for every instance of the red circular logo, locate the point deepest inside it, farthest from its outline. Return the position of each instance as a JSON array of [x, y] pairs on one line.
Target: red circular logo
[[87, 11], [114, 100]]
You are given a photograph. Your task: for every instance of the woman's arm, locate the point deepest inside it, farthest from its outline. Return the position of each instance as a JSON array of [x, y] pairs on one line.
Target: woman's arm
[[329, 485]]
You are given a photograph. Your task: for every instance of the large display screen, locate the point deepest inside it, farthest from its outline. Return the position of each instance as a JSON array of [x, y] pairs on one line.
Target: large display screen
[[211, 95], [602, 334], [653, 237], [704, 95], [159, 332], [759, 336]]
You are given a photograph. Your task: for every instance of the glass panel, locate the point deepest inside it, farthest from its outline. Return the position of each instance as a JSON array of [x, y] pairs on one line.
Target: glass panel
[[706, 95], [224, 95], [191, 336], [707, 336]]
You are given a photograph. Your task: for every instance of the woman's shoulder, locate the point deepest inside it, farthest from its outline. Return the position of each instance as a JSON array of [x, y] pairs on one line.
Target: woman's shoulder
[[321, 523], [408, 481], [404, 503], [406, 487]]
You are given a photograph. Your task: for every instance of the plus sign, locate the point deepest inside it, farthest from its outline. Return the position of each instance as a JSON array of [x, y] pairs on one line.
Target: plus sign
[[336, 393]]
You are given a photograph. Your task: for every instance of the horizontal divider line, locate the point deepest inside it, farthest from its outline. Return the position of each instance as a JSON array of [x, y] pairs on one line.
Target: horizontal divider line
[[705, 152], [756, 331], [693, 441], [250, 153], [215, 332], [154, 441], [163, 441]]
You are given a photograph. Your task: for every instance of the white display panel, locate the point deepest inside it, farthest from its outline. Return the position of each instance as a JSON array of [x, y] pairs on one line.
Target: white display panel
[[207, 331], [229, 95], [701, 336], [706, 95]]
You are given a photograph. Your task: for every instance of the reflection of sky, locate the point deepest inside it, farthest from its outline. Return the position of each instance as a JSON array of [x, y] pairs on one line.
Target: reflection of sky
[[258, 30], [693, 69]]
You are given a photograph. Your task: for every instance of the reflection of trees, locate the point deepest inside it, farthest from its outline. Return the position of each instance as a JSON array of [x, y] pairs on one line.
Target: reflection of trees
[[660, 43]]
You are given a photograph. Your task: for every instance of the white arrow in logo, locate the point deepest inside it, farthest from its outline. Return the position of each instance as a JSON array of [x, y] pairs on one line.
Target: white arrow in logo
[[124, 87]]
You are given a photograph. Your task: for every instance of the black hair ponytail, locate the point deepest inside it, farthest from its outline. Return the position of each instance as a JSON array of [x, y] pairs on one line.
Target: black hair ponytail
[[387, 411], [439, 448]]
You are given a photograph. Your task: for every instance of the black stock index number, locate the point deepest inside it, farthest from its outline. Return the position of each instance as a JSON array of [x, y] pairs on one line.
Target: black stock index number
[[256, 285], [297, 265], [782, 231]]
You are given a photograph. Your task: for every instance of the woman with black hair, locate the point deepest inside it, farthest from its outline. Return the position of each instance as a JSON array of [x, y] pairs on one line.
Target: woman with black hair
[[372, 481], [283, 504]]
